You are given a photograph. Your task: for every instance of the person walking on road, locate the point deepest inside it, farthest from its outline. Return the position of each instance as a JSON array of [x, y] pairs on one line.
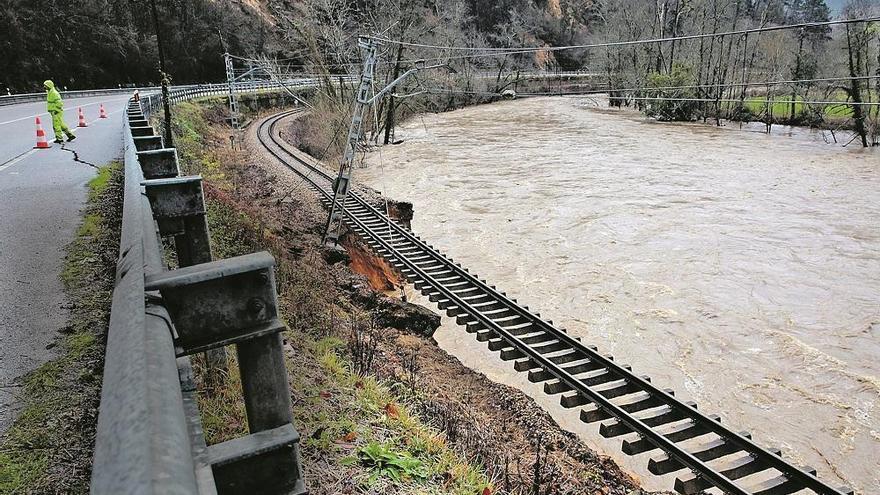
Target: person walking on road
[[55, 107]]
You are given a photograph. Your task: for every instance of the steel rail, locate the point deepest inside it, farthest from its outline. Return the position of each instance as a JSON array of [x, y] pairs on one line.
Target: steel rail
[[681, 411]]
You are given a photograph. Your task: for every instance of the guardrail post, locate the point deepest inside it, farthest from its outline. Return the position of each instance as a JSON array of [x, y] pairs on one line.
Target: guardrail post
[[158, 164], [142, 131], [179, 208], [147, 143], [234, 301]]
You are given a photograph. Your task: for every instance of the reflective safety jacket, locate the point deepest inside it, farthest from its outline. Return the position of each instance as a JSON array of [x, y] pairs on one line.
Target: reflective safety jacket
[[53, 98]]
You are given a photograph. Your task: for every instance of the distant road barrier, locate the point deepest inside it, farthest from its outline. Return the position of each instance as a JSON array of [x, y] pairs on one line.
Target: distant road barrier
[[32, 97], [149, 437]]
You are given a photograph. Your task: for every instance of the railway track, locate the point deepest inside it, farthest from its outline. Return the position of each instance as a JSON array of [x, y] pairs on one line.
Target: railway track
[[703, 452]]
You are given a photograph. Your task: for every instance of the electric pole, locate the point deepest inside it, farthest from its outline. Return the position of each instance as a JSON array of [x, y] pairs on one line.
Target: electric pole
[[233, 104], [169, 142], [334, 221], [333, 228]]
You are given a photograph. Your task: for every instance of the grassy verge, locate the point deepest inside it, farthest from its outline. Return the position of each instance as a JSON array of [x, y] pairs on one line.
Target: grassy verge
[[357, 434], [49, 447], [780, 106]]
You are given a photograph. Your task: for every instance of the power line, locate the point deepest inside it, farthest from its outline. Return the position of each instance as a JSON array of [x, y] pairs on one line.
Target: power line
[[732, 85], [741, 32], [663, 88], [759, 101]]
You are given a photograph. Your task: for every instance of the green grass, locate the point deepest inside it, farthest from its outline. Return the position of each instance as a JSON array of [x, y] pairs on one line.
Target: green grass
[[782, 108]]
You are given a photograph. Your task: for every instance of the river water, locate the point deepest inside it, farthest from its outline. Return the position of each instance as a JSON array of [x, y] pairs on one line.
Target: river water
[[740, 269]]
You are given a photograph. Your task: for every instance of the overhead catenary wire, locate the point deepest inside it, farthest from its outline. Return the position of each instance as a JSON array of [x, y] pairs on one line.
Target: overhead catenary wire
[[667, 88], [670, 98], [740, 32], [486, 52]]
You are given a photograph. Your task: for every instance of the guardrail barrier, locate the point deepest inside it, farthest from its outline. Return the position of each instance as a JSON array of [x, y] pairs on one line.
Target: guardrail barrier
[[149, 437]]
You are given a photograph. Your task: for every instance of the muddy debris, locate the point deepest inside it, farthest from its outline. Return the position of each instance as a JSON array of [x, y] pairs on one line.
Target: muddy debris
[[391, 312]]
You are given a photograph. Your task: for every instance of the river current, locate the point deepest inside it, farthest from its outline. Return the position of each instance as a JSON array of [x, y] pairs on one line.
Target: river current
[[740, 269]]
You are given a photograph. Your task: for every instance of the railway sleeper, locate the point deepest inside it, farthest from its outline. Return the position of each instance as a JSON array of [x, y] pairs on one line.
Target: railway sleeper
[[508, 317], [511, 353], [531, 336], [495, 315], [497, 342], [634, 403], [409, 250], [463, 292], [549, 346], [371, 223], [733, 469], [486, 303], [486, 334], [423, 284], [677, 433], [444, 278], [706, 451], [653, 416], [462, 284], [425, 260], [618, 388], [782, 485], [438, 270], [513, 322], [568, 356], [589, 378], [575, 367]]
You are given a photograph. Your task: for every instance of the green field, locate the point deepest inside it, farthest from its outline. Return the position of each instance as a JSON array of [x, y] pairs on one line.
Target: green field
[[781, 107]]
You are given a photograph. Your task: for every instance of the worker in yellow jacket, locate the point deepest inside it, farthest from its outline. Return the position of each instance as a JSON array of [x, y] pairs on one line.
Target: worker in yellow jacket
[[55, 107]]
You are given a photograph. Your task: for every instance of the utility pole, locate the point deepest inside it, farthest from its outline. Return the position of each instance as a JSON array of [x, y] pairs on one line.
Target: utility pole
[[333, 227], [233, 104], [169, 142]]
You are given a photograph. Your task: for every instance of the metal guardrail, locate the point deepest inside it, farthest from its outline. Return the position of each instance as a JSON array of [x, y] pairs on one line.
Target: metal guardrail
[[206, 89], [149, 438], [243, 86], [29, 97]]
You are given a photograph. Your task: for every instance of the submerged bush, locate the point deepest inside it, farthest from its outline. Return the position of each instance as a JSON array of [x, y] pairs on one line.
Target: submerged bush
[[672, 95]]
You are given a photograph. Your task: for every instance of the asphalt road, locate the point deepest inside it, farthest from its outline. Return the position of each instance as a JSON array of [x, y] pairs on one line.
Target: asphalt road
[[41, 195]]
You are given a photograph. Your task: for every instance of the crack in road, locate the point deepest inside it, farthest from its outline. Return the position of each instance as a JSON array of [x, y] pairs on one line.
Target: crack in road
[[76, 157]]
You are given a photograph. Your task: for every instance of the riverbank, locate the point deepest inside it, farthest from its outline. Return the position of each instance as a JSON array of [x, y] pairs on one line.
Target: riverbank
[[363, 381]]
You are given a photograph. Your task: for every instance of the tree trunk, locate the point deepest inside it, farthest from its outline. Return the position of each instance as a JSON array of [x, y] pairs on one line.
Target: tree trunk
[[797, 75], [389, 121], [855, 88]]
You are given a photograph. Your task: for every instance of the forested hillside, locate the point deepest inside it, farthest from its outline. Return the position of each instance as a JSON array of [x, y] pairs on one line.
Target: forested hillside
[[101, 43], [92, 43]]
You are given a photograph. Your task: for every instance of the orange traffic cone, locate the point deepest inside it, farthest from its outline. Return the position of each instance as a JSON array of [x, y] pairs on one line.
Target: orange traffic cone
[[103, 112], [82, 119], [41, 136]]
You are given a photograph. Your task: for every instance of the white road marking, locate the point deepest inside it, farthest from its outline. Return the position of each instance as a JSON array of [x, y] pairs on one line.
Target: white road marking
[[76, 106], [16, 160]]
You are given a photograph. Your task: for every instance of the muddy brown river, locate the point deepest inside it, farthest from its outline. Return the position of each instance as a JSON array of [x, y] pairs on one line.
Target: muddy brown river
[[740, 269]]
